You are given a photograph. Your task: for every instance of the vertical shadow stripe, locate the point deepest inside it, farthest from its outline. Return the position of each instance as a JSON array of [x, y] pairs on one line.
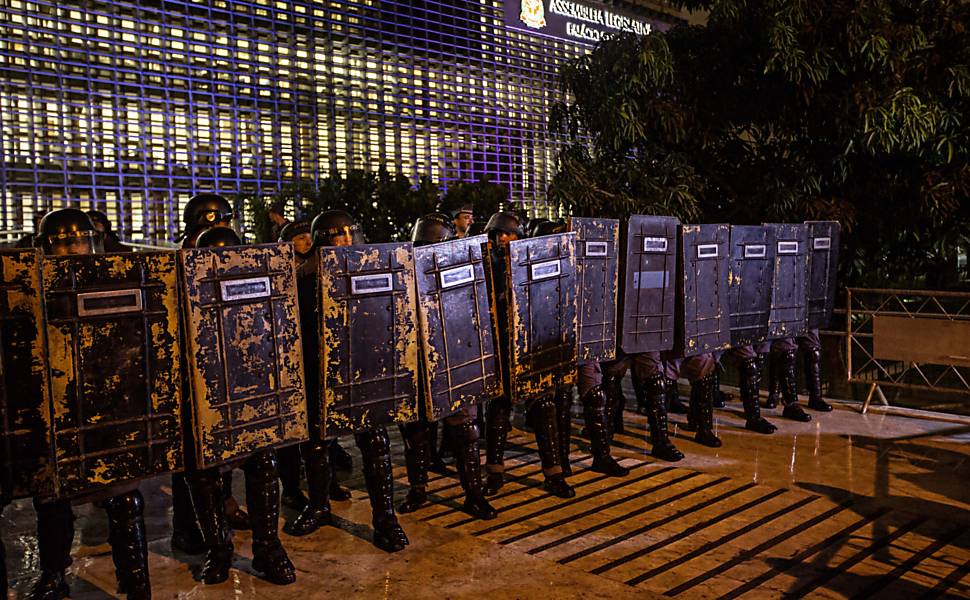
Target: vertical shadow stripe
[[657, 522]]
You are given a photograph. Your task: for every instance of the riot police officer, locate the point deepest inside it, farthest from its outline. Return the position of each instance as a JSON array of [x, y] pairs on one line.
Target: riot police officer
[[782, 380], [338, 228], [462, 218], [459, 426], [70, 232], [109, 239]]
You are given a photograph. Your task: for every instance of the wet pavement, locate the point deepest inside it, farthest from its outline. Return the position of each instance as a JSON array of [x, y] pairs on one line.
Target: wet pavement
[[847, 505]]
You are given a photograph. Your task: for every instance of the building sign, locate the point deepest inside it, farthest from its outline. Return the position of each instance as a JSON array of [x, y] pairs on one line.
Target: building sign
[[576, 21]]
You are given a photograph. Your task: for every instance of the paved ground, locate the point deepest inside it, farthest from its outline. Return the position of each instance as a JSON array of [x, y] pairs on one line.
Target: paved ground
[[845, 506]]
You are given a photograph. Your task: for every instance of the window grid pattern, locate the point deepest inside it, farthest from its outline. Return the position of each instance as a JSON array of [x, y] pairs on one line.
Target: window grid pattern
[[131, 107]]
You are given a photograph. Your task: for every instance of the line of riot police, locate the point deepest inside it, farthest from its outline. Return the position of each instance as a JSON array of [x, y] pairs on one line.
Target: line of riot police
[[122, 367]]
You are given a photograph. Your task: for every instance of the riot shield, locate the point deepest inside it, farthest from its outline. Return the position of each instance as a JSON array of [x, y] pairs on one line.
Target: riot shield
[[112, 339], [244, 353], [704, 315], [823, 263], [750, 280], [25, 444], [542, 315], [459, 363], [649, 267], [597, 269], [368, 336], [789, 310]]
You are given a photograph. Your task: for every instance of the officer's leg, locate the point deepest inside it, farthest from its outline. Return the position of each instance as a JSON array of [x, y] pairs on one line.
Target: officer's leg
[[784, 352], [206, 488], [749, 370], [55, 533], [544, 411], [316, 455], [720, 397], [434, 458], [186, 535], [416, 449], [811, 347], [263, 501], [649, 385], [464, 434], [564, 426], [290, 468], [339, 459], [376, 450], [497, 427], [700, 371], [596, 415], [237, 518], [613, 373], [129, 547]]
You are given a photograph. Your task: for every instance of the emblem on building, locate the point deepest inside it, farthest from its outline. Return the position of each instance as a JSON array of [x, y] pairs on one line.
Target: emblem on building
[[533, 14]]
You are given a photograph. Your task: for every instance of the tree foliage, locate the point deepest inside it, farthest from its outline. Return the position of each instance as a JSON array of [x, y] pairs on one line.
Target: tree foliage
[[785, 110]]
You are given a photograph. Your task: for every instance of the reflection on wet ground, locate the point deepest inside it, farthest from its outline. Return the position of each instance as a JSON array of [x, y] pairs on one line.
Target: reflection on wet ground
[[844, 506]]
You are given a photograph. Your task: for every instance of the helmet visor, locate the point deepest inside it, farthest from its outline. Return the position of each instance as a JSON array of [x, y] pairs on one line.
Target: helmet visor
[[344, 235], [73, 242]]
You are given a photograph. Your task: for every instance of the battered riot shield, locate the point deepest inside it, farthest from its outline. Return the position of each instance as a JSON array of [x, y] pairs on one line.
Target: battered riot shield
[[789, 311], [459, 363], [597, 268], [703, 313], [368, 336], [25, 444], [750, 279], [112, 339], [823, 263], [649, 267], [244, 353], [542, 314]]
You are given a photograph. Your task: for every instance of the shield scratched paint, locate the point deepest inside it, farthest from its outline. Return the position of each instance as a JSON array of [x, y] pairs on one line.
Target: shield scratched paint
[[245, 356], [750, 282], [789, 299], [368, 336], [649, 267], [704, 315], [457, 347], [597, 270], [823, 266], [112, 339], [542, 310], [25, 444]]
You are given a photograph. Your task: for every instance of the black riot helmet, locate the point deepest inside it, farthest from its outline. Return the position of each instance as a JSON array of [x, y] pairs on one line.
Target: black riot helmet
[[431, 229], [68, 231], [335, 228], [99, 218], [205, 210], [533, 223], [298, 233], [504, 222], [547, 227], [476, 228], [218, 237]]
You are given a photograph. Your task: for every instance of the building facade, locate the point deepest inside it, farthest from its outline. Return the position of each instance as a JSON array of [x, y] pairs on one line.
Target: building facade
[[131, 106]]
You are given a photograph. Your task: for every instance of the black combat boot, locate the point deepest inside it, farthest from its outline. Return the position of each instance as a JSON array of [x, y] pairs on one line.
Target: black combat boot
[[616, 400], [55, 533], [702, 405], [773, 381], [750, 373], [447, 448], [435, 464], [720, 398], [654, 394], [496, 433], [547, 439], [376, 457], [468, 462], [186, 535], [129, 548], [263, 501], [290, 468], [595, 415], [316, 514], [340, 458], [236, 517], [813, 380], [788, 387], [564, 427], [416, 449], [207, 499], [674, 404]]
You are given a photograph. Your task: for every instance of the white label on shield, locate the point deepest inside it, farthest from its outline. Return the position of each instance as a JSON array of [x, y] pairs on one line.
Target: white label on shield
[[457, 276], [544, 270], [370, 284], [787, 247], [654, 244], [108, 303], [245, 289], [755, 250], [707, 251], [822, 243], [596, 248]]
